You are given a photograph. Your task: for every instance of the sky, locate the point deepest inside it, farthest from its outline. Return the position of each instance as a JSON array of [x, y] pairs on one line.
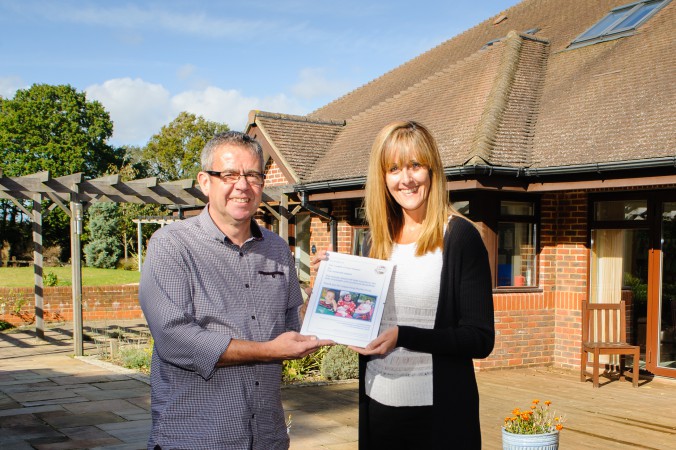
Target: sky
[[146, 61]]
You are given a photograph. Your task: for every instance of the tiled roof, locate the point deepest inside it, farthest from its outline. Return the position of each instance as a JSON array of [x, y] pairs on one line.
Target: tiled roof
[[611, 101], [558, 21], [461, 105], [299, 140], [525, 101]]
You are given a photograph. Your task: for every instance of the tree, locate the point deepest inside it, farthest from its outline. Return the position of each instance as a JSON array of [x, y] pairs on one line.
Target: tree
[[174, 153], [104, 248], [55, 128], [52, 128]]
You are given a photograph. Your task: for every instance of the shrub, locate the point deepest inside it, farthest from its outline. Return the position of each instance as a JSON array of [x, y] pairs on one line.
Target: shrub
[[301, 369], [128, 264], [136, 358], [340, 363], [52, 256], [50, 279], [104, 248]]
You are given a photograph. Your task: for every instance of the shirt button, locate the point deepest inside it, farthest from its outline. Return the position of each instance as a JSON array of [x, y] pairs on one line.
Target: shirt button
[[246, 285], [257, 383], [241, 253], [253, 317], [253, 416]]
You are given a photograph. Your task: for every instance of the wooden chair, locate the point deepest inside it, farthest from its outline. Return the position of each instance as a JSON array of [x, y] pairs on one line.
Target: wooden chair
[[604, 332]]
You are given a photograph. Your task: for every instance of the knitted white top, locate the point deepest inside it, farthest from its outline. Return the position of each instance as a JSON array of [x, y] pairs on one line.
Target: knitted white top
[[403, 377]]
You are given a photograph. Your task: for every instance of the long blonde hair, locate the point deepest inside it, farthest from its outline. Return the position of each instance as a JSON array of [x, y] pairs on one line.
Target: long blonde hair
[[404, 141]]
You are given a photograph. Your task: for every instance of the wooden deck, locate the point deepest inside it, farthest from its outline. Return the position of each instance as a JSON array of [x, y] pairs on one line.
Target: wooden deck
[[613, 416]]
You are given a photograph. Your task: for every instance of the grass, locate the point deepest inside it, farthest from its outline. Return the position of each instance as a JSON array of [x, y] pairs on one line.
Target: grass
[[24, 276]]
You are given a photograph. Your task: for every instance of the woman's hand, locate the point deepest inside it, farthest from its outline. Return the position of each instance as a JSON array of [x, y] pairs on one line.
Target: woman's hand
[[320, 256], [381, 345]]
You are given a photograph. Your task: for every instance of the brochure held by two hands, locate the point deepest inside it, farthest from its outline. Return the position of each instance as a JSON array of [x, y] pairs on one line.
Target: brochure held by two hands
[[348, 299]]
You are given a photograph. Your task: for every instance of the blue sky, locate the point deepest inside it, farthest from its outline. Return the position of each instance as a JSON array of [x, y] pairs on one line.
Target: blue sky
[[146, 61]]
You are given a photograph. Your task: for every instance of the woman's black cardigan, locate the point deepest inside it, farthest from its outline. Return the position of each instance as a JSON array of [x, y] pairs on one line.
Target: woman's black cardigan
[[463, 329]]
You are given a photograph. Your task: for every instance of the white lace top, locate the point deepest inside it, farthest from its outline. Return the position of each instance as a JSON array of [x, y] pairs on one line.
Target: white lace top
[[403, 377]]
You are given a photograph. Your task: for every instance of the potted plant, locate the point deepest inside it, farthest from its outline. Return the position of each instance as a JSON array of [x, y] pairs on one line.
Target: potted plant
[[537, 427]]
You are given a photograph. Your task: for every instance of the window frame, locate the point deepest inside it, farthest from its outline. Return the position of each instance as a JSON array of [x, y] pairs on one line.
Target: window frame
[[612, 31], [484, 210], [532, 219]]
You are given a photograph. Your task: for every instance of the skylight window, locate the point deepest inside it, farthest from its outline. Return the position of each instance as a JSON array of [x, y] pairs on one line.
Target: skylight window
[[620, 22]]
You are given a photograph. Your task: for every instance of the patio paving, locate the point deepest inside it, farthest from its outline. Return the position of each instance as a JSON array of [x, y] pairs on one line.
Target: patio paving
[[50, 400]]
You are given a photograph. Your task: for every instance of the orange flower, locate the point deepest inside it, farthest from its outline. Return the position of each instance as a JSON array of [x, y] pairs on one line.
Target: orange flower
[[535, 420]]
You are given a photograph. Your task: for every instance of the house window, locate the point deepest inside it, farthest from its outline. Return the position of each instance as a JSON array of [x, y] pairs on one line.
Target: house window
[[358, 237], [517, 245], [620, 22]]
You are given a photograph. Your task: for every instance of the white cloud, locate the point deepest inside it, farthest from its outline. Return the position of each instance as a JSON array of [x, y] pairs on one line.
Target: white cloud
[[230, 106], [139, 109], [313, 84], [9, 86]]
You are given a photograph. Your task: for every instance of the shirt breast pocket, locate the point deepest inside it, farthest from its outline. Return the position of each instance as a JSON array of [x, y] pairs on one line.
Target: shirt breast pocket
[[272, 281]]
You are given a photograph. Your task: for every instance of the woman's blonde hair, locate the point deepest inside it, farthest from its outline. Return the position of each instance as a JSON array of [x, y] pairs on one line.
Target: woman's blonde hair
[[400, 143]]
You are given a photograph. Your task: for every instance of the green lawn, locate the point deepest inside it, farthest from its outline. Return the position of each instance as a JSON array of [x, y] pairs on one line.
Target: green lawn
[[23, 276]]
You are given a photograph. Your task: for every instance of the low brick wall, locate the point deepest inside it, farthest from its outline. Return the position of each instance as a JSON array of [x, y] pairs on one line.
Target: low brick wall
[[17, 305]]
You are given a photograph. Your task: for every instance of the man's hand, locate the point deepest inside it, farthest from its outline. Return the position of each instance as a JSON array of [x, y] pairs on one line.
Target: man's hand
[[381, 345], [292, 345], [289, 345]]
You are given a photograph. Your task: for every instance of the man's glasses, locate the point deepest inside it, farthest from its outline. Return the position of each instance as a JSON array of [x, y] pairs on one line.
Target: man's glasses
[[228, 177]]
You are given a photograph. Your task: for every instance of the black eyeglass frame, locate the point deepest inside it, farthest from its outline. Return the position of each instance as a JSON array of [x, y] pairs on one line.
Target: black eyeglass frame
[[229, 177]]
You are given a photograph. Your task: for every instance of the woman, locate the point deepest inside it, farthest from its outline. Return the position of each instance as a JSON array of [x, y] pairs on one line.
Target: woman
[[417, 386]]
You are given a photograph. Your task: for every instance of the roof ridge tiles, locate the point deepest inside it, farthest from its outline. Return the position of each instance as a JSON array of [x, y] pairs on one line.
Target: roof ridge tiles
[[294, 118], [486, 130]]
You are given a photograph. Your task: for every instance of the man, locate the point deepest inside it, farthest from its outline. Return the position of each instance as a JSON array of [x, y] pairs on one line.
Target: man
[[221, 297]]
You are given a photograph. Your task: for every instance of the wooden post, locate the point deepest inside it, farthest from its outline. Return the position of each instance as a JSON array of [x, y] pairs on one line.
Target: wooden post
[[139, 236], [284, 217], [37, 266], [76, 217]]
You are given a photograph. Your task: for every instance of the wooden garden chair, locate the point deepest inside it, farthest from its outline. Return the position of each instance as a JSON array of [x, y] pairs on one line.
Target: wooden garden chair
[[604, 332]]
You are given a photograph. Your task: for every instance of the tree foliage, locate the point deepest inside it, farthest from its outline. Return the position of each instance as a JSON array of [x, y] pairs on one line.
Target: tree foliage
[[174, 152], [104, 248], [54, 128], [51, 128]]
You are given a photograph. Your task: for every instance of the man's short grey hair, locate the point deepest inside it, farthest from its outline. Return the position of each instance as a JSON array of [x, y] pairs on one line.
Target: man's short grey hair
[[235, 138]]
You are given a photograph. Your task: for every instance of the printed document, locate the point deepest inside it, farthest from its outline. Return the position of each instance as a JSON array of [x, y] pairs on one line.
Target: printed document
[[348, 298]]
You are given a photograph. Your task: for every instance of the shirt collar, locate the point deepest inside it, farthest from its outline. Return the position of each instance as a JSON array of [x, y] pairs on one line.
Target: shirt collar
[[213, 231]]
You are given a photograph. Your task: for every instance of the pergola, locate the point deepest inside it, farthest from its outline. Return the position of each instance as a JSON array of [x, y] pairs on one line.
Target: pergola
[[73, 194]]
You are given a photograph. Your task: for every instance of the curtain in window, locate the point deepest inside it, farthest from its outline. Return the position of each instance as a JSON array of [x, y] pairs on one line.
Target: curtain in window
[[606, 279]]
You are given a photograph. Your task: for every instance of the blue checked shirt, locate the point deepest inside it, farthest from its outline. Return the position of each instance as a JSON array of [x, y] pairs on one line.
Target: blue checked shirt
[[198, 291]]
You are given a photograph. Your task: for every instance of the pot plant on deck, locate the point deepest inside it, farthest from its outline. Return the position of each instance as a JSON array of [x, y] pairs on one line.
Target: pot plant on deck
[[534, 428]]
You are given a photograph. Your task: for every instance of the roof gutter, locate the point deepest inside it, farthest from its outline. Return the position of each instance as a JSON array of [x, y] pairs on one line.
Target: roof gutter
[[486, 169]]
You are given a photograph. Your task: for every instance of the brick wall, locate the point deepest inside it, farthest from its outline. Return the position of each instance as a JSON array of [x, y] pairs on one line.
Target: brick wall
[[17, 305], [273, 174], [544, 328], [320, 230]]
